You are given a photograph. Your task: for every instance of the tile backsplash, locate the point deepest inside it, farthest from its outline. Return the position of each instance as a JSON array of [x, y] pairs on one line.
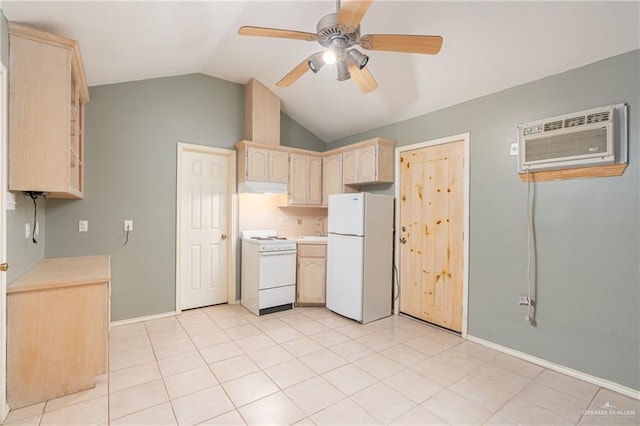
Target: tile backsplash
[[265, 211]]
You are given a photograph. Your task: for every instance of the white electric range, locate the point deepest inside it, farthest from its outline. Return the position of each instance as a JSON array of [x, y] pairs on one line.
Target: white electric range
[[268, 280]]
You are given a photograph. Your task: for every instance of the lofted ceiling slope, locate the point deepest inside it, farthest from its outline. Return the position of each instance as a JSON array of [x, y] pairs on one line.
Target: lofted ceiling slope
[[488, 47]]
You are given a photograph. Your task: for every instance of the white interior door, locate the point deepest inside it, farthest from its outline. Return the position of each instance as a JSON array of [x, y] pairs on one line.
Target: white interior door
[[4, 410], [204, 228]]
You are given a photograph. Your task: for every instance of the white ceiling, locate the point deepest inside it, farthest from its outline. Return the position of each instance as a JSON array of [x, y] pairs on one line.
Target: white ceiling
[[488, 47]]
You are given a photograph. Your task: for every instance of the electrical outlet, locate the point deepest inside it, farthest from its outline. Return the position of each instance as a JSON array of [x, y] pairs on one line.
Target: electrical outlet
[[514, 149], [83, 226], [522, 300], [128, 225], [27, 230]]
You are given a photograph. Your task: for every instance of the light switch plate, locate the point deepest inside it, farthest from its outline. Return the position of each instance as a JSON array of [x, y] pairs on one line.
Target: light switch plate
[[514, 149], [83, 226]]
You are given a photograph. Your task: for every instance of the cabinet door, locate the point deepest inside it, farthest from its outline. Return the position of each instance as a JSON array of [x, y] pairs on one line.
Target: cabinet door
[[311, 285], [367, 164], [350, 167], [314, 180], [278, 166], [257, 164], [331, 176], [298, 179]]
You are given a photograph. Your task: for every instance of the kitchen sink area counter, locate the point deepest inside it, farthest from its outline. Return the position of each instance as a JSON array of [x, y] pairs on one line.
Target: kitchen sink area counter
[[312, 239]]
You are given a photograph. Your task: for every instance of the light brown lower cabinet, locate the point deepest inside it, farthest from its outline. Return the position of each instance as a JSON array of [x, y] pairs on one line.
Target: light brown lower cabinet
[[311, 275], [57, 329]]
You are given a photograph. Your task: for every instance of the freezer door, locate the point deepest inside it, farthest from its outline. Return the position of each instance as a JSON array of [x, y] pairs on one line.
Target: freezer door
[[346, 214], [345, 275]]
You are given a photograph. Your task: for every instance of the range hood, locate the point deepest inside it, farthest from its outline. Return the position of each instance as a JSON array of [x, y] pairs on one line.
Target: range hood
[[262, 188]]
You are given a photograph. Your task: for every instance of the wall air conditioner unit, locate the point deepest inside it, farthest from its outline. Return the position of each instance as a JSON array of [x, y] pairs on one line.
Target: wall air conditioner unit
[[587, 138]]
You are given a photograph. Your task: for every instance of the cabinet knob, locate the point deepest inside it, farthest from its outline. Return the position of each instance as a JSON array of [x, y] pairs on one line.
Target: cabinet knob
[[4, 267], [223, 236]]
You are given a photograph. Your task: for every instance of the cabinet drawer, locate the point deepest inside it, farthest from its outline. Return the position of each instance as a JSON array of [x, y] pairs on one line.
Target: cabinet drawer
[[312, 250]]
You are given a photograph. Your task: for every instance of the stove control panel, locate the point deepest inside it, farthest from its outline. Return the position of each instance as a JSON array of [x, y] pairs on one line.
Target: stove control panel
[[278, 246]]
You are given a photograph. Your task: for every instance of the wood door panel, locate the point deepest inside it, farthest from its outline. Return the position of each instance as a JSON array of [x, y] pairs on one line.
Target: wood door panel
[[431, 216], [278, 166]]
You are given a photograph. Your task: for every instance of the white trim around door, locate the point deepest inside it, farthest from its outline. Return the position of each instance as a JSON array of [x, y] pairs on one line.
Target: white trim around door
[[4, 95], [232, 215], [465, 267]]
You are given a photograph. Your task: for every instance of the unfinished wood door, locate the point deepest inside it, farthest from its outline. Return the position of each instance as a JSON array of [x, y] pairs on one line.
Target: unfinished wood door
[[431, 233]]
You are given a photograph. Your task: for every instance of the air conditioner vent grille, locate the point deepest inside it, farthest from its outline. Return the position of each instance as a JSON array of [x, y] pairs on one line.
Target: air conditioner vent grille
[[596, 136], [585, 143], [598, 117], [553, 125], [574, 121]]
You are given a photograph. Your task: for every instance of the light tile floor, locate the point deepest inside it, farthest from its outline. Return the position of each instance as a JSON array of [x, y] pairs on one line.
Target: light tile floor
[[224, 366]]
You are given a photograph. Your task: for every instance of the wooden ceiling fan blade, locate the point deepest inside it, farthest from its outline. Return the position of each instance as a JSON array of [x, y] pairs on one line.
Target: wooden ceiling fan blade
[[363, 79], [294, 74], [278, 33], [352, 11], [426, 44]]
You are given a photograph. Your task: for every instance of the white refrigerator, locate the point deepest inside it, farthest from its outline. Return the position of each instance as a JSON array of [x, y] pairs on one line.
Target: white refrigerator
[[360, 256]]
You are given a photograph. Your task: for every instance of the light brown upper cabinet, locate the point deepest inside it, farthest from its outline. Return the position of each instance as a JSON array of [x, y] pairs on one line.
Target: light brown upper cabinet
[[259, 164], [305, 179], [370, 161], [48, 91], [332, 177], [261, 114]]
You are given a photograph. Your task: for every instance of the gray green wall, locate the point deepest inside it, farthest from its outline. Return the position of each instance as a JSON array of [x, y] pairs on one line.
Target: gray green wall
[[587, 230], [131, 135], [22, 254]]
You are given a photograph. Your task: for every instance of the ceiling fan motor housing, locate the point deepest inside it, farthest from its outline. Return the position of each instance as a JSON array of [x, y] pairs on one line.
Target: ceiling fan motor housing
[[329, 30]]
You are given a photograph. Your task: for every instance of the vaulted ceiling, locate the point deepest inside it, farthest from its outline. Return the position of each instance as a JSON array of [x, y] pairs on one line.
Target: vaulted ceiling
[[488, 47]]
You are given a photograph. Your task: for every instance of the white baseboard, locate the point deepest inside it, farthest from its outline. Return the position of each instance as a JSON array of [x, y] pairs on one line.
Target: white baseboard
[[141, 319], [598, 381], [4, 412]]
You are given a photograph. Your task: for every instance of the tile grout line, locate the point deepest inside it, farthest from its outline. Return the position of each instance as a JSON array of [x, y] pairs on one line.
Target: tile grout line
[[591, 402], [363, 333], [155, 355], [214, 374]]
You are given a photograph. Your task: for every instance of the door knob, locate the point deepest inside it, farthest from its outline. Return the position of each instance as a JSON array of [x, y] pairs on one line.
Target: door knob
[[4, 267], [223, 236], [403, 240]]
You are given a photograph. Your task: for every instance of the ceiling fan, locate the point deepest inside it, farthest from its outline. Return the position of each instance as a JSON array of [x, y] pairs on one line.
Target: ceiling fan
[[338, 33]]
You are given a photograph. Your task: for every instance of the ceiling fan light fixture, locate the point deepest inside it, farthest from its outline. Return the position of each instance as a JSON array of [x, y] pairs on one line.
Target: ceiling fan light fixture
[[343, 70], [316, 62], [359, 58], [329, 57]]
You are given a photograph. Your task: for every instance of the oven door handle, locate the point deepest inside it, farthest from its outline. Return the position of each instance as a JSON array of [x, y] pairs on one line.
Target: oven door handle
[[277, 253]]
